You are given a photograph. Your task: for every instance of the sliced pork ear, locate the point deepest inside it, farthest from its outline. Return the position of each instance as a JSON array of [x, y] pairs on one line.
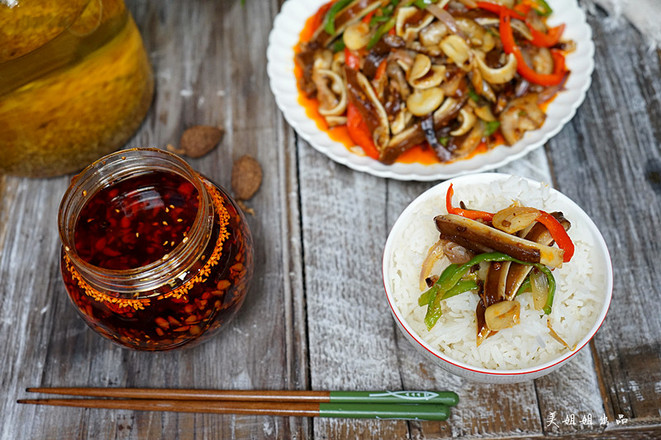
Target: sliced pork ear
[[518, 272], [415, 134], [493, 292], [495, 283], [305, 59], [483, 331], [477, 236]]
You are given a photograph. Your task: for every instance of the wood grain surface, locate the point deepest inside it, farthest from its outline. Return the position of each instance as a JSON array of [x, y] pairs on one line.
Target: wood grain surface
[[316, 316]]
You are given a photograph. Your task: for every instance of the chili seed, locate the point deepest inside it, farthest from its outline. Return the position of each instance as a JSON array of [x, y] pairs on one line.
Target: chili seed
[[195, 330], [223, 284]]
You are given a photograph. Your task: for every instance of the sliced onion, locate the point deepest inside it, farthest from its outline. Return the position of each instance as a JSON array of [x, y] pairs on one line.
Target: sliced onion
[[557, 337], [522, 88], [433, 255], [446, 18], [539, 285], [514, 218], [550, 92], [521, 27], [502, 315]]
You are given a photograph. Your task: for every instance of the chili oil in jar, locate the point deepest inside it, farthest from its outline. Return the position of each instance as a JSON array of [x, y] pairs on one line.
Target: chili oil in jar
[[154, 255]]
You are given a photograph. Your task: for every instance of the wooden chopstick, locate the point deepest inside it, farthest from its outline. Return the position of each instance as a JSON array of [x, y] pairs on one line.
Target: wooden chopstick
[[420, 411], [410, 405], [197, 406], [444, 397], [188, 394]]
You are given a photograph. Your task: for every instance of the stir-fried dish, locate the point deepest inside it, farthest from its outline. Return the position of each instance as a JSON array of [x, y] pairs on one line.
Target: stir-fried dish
[[498, 256], [445, 75]]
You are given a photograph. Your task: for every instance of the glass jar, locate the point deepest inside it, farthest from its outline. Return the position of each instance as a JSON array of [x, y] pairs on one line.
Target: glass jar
[[75, 83], [154, 255]]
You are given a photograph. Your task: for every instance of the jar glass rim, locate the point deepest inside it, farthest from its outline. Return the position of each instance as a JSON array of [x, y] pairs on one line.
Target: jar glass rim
[[110, 170]]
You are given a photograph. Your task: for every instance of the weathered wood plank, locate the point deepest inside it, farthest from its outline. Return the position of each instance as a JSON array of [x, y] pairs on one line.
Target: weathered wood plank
[[349, 328], [28, 263], [614, 147]]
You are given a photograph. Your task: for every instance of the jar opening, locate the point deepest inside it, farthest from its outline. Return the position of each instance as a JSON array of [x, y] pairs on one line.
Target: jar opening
[[134, 218]]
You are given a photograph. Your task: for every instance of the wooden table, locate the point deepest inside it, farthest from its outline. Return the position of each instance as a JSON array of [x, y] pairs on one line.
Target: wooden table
[[316, 316]]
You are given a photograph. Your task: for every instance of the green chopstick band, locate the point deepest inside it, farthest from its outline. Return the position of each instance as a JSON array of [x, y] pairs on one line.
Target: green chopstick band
[[411, 411], [448, 398]]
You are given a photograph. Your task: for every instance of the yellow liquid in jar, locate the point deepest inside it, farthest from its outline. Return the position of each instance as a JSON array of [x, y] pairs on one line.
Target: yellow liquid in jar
[[75, 98]]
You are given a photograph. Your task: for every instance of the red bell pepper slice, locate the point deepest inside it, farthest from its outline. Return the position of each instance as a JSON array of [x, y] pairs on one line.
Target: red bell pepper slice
[[500, 9], [548, 39], [527, 72], [522, 9], [468, 213], [531, 75], [368, 17], [351, 59], [381, 70], [559, 234], [506, 34], [539, 39], [359, 132], [318, 18]]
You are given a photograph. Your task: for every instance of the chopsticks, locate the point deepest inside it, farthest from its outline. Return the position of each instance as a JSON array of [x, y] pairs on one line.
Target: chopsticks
[[409, 405]]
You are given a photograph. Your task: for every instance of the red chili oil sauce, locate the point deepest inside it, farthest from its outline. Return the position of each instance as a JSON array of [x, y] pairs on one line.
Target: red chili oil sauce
[[137, 221]]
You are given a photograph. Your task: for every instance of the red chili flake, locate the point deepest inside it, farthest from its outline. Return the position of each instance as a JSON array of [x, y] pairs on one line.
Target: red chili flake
[[173, 321]]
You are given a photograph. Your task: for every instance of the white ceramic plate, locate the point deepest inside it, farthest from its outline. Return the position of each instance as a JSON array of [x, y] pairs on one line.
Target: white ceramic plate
[[280, 54], [582, 225]]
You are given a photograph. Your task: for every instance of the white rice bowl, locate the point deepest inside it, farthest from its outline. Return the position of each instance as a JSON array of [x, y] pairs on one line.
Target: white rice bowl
[[524, 351]]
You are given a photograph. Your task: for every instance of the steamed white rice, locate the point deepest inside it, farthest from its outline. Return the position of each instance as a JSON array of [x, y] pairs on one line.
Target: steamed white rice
[[576, 305]]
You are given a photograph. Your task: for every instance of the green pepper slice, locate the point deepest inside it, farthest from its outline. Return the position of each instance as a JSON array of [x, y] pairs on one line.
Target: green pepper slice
[[444, 284], [461, 287], [427, 297], [422, 4], [329, 19], [524, 287], [380, 32], [542, 8]]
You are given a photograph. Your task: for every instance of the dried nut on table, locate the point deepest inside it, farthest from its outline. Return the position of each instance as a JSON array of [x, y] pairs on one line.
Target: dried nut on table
[[199, 140], [246, 177], [75, 84]]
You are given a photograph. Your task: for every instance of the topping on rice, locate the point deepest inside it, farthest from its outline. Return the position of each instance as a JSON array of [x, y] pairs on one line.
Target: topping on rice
[[527, 310]]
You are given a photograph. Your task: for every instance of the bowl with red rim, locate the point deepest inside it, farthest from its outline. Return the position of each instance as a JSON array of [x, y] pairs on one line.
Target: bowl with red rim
[[540, 343]]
